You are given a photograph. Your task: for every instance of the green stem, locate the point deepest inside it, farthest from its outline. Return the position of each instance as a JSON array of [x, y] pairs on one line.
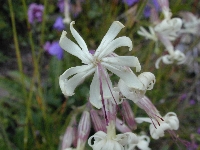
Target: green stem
[[17, 50], [35, 63], [36, 74], [43, 30], [5, 137]]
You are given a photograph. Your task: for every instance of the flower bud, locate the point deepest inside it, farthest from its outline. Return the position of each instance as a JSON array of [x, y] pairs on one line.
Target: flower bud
[[68, 138], [84, 127], [121, 126], [128, 115], [99, 124]]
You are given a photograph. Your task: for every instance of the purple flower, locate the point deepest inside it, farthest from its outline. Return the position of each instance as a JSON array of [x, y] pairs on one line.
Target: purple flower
[[150, 4], [60, 5], [47, 45], [198, 130], [35, 12], [58, 25], [192, 102], [130, 2], [54, 49]]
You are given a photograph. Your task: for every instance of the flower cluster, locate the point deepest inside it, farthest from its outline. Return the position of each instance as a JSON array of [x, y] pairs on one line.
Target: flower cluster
[[105, 100], [166, 31]]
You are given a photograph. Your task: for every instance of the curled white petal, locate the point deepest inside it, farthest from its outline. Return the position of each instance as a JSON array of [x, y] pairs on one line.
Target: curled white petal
[[125, 74], [102, 143], [158, 132], [148, 79], [114, 29], [119, 42], [72, 48], [143, 143], [172, 119], [129, 61], [68, 85], [80, 41]]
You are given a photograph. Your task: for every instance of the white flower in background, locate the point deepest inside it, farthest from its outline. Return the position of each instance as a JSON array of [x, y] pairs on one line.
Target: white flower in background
[[176, 57], [169, 28], [111, 141], [98, 64], [157, 129], [148, 35], [143, 143], [191, 24]]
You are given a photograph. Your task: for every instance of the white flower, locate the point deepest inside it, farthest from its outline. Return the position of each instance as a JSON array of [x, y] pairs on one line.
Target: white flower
[[146, 78], [169, 28], [157, 128], [143, 143], [148, 35], [98, 63], [174, 57], [191, 23], [111, 141]]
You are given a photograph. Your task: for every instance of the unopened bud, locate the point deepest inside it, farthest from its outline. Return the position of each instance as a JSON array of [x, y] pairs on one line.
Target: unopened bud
[[84, 127], [128, 115], [121, 126], [68, 138], [99, 124]]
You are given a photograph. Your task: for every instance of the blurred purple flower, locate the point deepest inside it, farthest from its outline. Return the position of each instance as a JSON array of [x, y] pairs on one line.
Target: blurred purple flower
[[198, 130], [54, 49], [35, 12], [193, 146], [149, 6], [192, 102], [60, 5], [47, 46], [59, 25], [75, 7], [183, 97], [130, 2]]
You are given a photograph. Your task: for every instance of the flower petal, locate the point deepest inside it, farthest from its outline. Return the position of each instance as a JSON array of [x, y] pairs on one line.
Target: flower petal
[[172, 119], [126, 74], [129, 61], [148, 79], [72, 48], [95, 98], [100, 135], [143, 119], [107, 88], [80, 41], [110, 35], [144, 142], [127, 92], [68, 86], [121, 41], [159, 131]]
